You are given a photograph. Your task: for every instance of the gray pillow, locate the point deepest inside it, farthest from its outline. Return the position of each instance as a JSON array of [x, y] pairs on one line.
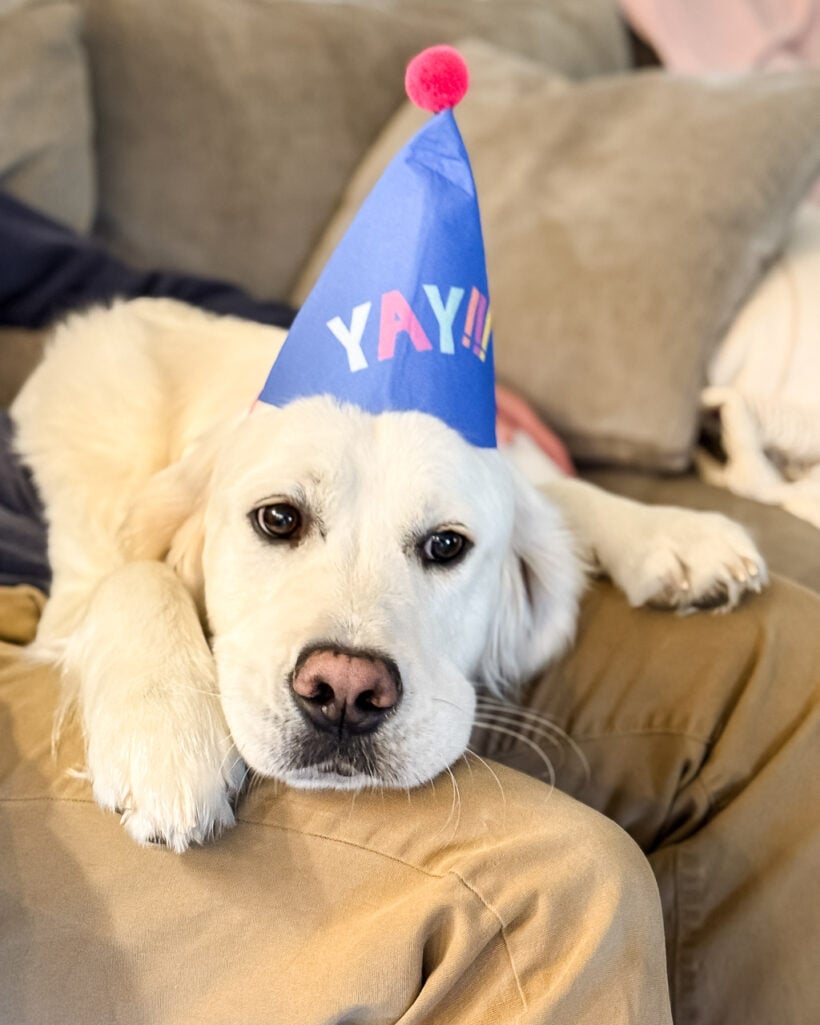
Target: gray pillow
[[46, 157], [625, 220], [228, 130]]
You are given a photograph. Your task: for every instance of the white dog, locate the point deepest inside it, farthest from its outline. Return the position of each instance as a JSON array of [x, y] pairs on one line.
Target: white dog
[[763, 384], [313, 592]]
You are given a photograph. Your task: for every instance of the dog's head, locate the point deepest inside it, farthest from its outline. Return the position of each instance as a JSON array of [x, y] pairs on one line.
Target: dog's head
[[362, 576]]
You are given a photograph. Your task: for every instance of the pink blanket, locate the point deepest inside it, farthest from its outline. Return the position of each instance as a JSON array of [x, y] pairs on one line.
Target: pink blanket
[[729, 35]]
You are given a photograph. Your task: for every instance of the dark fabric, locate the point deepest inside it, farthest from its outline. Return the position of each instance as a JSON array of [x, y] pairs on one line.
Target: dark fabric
[[47, 271], [23, 556]]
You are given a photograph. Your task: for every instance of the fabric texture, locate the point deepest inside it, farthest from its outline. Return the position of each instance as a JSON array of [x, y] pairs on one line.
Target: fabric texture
[[23, 543], [253, 114], [47, 271], [495, 902], [46, 153], [701, 737], [625, 220]]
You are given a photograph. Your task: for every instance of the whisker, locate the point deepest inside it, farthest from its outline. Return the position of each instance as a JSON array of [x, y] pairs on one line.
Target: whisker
[[485, 703], [257, 779], [521, 712], [225, 758], [354, 794], [466, 761], [489, 769], [457, 798], [510, 720], [526, 740], [452, 704], [455, 804], [246, 773], [197, 690], [490, 704]]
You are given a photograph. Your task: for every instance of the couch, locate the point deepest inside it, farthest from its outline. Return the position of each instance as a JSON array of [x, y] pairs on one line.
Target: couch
[[628, 214]]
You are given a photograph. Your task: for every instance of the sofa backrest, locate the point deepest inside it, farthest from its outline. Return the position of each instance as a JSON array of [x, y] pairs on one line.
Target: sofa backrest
[[226, 130]]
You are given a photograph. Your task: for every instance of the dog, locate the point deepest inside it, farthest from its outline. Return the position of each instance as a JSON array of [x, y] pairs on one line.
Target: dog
[[761, 415], [312, 593]]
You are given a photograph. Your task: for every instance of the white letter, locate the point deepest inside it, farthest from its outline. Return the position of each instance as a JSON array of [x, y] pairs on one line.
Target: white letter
[[351, 338], [445, 315]]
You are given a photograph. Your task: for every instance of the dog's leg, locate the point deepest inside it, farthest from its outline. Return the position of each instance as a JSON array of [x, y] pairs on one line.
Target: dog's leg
[[158, 748], [802, 497], [660, 555], [748, 471]]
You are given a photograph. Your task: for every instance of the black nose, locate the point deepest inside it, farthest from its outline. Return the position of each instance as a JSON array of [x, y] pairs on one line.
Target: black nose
[[344, 690]]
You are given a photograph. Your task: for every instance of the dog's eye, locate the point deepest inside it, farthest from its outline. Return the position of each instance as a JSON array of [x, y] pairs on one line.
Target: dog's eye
[[444, 546], [280, 521]]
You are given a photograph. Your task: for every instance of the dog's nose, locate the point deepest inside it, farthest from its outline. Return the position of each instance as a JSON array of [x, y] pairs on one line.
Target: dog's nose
[[340, 689]]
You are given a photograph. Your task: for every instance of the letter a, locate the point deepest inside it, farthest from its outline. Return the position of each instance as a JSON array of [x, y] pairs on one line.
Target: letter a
[[397, 317], [351, 338]]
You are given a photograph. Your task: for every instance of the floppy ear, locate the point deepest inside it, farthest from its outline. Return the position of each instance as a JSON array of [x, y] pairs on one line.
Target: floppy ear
[[166, 519], [541, 582]]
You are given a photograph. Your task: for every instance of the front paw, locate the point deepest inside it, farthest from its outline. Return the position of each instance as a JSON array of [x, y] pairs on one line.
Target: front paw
[[683, 560], [172, 774], [158, 748]]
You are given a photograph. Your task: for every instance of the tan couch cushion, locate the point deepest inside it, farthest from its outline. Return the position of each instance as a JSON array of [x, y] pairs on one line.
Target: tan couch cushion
[[625, 220], [45, 118]]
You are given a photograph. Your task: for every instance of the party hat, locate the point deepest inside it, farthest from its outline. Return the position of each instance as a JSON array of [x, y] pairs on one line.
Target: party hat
[[400, 317]]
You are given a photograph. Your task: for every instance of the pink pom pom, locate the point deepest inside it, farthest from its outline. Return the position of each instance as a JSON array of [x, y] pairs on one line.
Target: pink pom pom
[[437, 78]]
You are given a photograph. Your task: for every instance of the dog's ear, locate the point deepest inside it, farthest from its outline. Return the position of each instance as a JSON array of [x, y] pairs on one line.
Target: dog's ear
[[538, 602], [167, 516]]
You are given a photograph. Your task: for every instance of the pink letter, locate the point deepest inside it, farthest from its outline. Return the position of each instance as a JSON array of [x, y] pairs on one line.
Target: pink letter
[[396, 317]]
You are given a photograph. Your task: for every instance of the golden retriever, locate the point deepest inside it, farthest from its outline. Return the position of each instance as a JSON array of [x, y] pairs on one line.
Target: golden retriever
[[313, 592]]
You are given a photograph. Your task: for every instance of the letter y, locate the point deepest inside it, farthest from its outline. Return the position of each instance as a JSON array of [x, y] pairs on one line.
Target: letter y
[[445, 315], [351, 337]]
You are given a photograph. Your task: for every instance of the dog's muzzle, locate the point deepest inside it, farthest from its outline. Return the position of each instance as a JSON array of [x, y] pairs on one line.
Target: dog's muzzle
[[345, 691]]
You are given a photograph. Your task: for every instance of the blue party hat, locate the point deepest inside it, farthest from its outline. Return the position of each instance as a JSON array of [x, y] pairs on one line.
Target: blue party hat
[[400, 316]]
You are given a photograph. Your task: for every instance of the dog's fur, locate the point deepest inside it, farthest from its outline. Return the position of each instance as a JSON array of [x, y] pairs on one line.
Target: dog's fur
[[177, 626]]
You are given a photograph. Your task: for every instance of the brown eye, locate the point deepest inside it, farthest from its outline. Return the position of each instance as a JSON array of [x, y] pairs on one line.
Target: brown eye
[[280, 521], [444, 546]]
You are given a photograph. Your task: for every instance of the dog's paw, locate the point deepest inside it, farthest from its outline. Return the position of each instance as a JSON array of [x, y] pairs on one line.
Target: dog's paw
[[173, 779], [683, 560]]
